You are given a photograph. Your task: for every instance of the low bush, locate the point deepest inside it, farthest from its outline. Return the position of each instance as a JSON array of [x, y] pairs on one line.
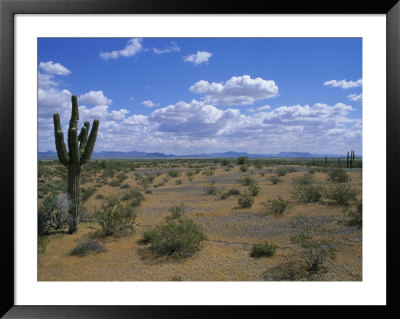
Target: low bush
[[275, 206], [308, 193], [338, 175], [178, 182], [211, 189], [282, 171], [173, 173], [264, 249], [254, 189], [177, 237], [230, 192], [245, 200], [354, 214], [312, 245], [42, 244], [306, 179], [243, 168], [246, 181], [135, 197], [115, 218], [177, 211], [274, 179], [242, 160], [342, 194], [87, 247]]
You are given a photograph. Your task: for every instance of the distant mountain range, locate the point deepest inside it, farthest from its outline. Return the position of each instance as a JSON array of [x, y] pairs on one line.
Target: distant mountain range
[[135, 154]]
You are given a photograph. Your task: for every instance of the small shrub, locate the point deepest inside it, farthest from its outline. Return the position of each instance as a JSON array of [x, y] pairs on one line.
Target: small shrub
[[208, 172], [176, 278], [115, 219], [178, 182], [87, 247], [177, 211], [173, 174], [135, 197], [338, 175], [210, 189], [241, 160], [177, 237], [243, 168], [123, 186], [114, 183], [230, 192], [308, 193], [99, 196], [148, 191], [254, 189], [246, 181], [306, 179], [245, 200], [311, 244], [274, 179], [276, 206], [264, 249], [355, 214], [342, 194]]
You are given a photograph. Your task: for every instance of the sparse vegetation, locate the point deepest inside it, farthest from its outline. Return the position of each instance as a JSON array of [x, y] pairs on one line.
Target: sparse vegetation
[[342, 194], [274, 179], [308, 193], [87, 247], [264, 249], [275, 206], [210, 188], [338, 175], [229, 192], [354, 214], [245, 200]]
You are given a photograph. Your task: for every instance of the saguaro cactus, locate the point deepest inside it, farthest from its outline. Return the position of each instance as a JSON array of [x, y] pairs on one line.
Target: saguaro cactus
[[80, 150]]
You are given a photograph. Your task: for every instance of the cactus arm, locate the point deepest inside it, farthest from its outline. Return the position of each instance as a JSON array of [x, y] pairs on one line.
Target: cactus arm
[[59, 137], [90, 143], [73, 122], [83, 137]]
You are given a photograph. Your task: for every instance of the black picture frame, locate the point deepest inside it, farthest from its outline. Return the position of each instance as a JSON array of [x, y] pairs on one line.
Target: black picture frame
[[8, 8]]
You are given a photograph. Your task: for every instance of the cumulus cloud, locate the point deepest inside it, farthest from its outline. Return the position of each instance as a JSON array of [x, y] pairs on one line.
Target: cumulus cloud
[[149, 103], [194, 118], [94, 97], [344, 84], [46, 81], [355, 97], [198, 58], [172, 48], [133, 47], [52, 101], [136, 120], [238, 90], [54, 68]]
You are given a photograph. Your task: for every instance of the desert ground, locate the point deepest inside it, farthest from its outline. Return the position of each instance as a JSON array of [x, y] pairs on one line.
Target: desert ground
[[230, 230]]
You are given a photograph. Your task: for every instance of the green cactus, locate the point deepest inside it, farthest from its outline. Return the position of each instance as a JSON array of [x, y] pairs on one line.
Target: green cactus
[[80, 150]]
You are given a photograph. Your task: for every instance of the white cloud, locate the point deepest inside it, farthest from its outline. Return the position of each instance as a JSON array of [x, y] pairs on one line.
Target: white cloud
[[172, 48], [149, 103], [94, 97], [198, 58], [239, 90], [54, 68], [263, 108], [133, 47], [52, 101], [355, 97], [46, 81], [344, 84], [136, 120]]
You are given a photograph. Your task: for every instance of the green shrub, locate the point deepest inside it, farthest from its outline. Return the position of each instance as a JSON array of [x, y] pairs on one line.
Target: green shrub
[[342, 194], [338, 175], [308, 193], [177, 237], [354, 214], [135, 197], [53, 213], [225, 162], [87, 247], [230, 192], [126, 185], [99, 196], [173, 173], [114, 183], [208, 172], [275, 206], [177, 211], [243, 168], [264, 249], [274, 179], [254, 189], [246, 181], [178, 182], [242, 160], [306, 179], [311, 243], [115, 218], [210, 189], [245, 200]]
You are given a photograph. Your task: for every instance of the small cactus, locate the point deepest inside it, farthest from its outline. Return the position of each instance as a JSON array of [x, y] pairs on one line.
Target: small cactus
[[80, 150]]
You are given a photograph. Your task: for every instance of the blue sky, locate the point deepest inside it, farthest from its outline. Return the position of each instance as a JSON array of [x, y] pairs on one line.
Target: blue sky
[[195, 95]]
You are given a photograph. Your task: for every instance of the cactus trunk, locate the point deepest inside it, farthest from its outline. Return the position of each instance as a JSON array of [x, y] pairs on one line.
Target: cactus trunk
[[80, 151], [74, 192]]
